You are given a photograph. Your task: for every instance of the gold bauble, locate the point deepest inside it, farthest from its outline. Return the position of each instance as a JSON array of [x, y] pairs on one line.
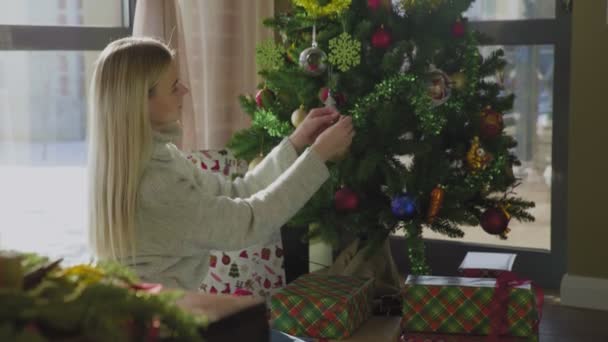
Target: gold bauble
[[459, 80], [298, 116]]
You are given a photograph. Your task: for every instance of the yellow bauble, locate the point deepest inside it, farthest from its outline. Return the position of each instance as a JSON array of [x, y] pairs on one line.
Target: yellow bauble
[[298, 116], [459, 80], [255, 161]]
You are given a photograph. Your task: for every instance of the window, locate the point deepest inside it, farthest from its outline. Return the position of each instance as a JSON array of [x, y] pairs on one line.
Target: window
[[535, 36], [45, 69], [528, 75], [511, 10], [107, 13]]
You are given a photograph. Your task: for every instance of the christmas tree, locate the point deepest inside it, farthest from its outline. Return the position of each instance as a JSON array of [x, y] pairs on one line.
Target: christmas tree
[[430, 151]]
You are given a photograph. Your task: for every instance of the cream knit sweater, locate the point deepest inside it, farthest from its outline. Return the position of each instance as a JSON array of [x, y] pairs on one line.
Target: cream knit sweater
[[183, 211]]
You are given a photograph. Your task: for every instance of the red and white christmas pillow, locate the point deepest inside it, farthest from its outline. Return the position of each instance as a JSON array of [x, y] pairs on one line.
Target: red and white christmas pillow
[[257, 270]]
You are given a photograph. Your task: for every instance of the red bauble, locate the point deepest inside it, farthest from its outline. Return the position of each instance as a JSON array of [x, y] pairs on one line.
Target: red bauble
[[212, 261], [495, 221], [339, 97], [381, 39], [264, 97], [458, 29], [373, 4], [491, 124], [346, 200]]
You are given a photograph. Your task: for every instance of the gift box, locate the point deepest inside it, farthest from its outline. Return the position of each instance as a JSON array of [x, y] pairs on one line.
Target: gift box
[[322, 306], [474, 306], [421, 337], [257, 270], [486, 265]]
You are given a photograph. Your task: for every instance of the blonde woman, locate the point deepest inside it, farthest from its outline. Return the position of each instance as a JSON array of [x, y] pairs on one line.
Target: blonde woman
[[150, 207]]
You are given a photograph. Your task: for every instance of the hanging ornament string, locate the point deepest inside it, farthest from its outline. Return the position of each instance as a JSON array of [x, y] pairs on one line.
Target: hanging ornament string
[[314, 35]]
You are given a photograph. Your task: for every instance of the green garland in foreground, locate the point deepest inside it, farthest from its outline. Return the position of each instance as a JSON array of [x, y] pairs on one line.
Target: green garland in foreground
[[105, 302]]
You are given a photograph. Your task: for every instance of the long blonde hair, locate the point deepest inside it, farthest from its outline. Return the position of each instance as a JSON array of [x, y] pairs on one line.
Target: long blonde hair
[[120, 139]]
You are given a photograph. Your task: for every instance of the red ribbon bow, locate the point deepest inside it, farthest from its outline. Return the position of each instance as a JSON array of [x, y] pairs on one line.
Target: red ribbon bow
[[500, 302]]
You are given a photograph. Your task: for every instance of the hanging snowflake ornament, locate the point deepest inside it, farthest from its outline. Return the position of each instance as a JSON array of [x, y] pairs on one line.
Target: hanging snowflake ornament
[[345, 52], [269, 55]]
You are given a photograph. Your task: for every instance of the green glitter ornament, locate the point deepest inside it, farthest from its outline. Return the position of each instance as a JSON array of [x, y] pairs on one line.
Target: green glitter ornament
[[269, 55]]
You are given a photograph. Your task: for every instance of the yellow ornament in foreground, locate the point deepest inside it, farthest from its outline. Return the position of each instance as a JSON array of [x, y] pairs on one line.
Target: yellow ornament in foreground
[[11, 272], [84, 273]]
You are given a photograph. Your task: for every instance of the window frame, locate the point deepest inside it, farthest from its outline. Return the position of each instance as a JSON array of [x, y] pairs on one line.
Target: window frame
[[73, 38]]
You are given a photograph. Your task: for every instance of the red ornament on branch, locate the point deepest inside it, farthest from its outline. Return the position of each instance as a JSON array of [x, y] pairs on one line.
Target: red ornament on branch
[[381, 39], [373, 4], [376, 4], [495, 221], [491, 124], [458, 29], [346, 200], [264, 97]]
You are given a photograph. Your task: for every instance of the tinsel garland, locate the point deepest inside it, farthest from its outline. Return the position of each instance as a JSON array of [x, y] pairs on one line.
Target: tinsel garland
[[314, 9], [430, 119]]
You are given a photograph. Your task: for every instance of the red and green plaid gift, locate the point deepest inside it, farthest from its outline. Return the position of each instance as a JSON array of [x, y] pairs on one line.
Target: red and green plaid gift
[[452, 305], [429, 337], [322, 306]]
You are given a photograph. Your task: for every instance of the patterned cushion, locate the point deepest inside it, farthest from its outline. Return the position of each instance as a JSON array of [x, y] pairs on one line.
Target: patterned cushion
[[257, 269]]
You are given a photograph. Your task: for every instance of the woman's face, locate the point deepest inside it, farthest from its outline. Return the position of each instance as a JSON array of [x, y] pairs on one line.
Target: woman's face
[[165, 101]]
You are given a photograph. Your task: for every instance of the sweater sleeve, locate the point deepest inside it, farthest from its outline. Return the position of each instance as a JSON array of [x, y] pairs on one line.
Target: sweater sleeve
[[184, 217], [269, 169]]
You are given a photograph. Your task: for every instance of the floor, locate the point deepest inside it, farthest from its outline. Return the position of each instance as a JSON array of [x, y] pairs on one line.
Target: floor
[[561, 324]]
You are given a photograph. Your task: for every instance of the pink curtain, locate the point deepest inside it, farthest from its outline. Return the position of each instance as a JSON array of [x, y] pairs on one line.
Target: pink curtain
[[215, 42]]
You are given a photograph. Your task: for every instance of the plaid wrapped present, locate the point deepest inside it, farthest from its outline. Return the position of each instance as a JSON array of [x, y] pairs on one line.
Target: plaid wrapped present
[[322, 306], [452, 305], [422, 337]]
